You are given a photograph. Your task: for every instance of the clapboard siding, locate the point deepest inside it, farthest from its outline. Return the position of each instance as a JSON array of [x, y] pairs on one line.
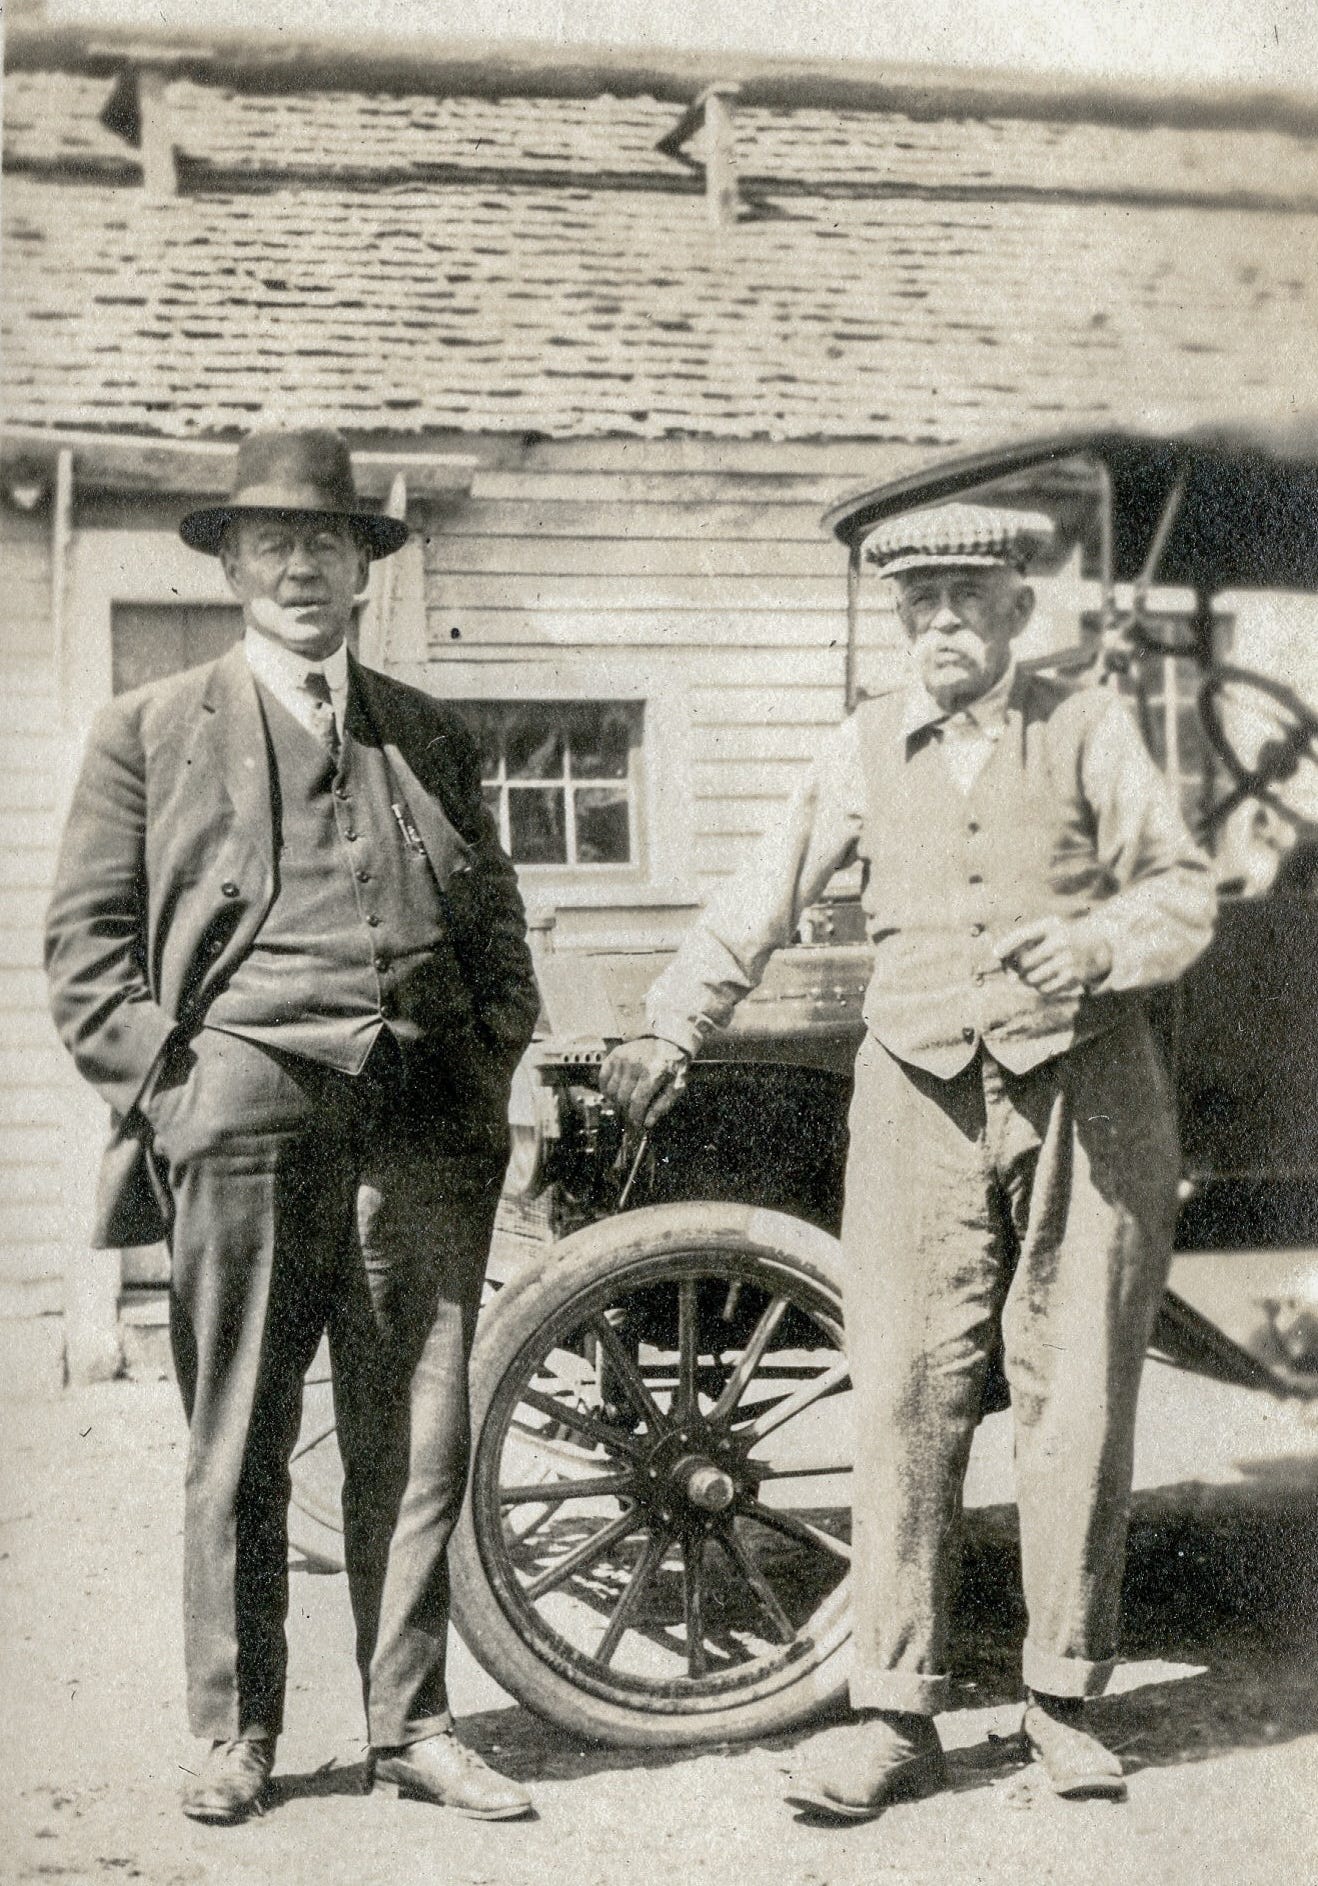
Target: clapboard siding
[[603, 557], [34, 1072], [709, 584]]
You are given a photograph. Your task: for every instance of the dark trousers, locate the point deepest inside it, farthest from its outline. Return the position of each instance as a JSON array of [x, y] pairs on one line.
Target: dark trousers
[[304, 1202], [1036, 1209]]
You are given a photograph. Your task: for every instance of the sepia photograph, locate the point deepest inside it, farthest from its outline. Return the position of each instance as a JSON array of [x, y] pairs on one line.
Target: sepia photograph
[[659, 766]]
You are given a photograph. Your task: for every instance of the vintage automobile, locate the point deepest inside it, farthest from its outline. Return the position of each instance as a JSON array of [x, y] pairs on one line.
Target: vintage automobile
[[655, 1545]]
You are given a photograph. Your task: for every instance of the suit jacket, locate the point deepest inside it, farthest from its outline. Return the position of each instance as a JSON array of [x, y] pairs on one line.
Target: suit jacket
[[166, 873]]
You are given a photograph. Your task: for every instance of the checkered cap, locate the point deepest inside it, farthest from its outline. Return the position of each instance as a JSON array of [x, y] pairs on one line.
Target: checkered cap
[[974, 534]]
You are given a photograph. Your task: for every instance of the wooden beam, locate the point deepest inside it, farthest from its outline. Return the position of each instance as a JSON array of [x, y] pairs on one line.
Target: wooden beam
[[274, 60], [204, 468], [721, 193], [159, 170], [61, 533]]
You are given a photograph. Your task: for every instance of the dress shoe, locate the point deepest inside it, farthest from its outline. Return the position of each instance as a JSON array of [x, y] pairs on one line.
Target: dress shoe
[[1076, 1763], [857, 1771], [442, 1770], [232, 1782]]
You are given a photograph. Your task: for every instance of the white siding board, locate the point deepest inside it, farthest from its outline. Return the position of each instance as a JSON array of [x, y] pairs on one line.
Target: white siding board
[[655, 522], [746, 705], [725, 780], [637, 555], [789, 740], [771, 593], [694, 628], [644, 487], [32, 1263], [28, 1145]]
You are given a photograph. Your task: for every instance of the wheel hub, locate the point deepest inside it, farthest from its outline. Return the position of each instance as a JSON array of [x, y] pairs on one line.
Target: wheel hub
[[689, 1472]]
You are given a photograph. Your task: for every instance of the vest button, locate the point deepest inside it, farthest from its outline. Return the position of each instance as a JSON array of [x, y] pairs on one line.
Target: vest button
[[228, 888], [976, 929], [351, 837], [972, 825], [967, 1033], [976, 877], [373, 920], [364, 877]]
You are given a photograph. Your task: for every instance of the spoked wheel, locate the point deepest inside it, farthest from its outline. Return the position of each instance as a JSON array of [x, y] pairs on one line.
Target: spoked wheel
[[655, 1545]]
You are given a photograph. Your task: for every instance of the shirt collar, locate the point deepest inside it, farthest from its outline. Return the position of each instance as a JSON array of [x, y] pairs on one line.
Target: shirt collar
[[988, 711], [283, 671]]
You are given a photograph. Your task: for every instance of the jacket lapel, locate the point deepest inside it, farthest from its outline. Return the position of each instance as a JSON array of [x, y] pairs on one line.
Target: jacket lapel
[[233, 728], [415, 772]]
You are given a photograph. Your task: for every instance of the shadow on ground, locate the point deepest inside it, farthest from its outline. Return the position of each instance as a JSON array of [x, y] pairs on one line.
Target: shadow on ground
[[1220, 1578], [1224, 1578]]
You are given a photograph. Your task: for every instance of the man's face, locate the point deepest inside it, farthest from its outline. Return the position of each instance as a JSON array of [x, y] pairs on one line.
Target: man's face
[[296, 576], [961, 620]]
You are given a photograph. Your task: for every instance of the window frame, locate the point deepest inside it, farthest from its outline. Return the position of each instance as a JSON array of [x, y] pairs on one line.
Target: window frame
[[660, 874], [567, 783]]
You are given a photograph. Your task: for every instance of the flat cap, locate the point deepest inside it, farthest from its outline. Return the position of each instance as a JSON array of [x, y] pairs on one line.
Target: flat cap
[[976, 534]]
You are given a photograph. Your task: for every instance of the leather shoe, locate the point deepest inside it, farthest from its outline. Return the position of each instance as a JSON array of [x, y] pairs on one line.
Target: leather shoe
[[1076, 1763], [857, 1771], [444, 1771], [232, 1782]]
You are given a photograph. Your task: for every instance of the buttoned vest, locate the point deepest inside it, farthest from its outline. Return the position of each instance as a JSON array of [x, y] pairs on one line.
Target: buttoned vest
[[355, 939], [947, 873]]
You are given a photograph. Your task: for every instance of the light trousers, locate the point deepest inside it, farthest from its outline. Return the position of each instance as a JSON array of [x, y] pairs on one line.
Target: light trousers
[[1034, 1210]]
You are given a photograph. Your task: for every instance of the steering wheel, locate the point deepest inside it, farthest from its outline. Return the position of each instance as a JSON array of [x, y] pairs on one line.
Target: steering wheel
[[1278, 759]]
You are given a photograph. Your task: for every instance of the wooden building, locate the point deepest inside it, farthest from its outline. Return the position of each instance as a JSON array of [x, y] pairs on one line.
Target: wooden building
[[613, 335]]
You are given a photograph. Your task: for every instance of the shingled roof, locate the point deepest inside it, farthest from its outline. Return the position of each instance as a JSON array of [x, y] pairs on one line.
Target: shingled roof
[[537, 265]]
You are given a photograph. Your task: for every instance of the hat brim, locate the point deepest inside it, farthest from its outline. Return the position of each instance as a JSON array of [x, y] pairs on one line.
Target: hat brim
[[204, 530]]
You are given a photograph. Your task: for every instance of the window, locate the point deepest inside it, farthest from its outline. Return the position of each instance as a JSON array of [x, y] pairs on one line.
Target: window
[[561, 778]]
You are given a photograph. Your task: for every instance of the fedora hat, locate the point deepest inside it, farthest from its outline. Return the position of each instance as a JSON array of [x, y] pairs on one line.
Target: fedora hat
[[307, 471]]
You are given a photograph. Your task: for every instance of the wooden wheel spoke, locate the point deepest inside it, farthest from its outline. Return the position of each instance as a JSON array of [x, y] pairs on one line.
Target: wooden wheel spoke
[[581, 1556], [693, 1603], [628, 1372], [306, 1447], [759, 1584], [830, 1381], [798, 1529], [581, 1422], [554, 1492], [750, 1360], [687, 1398], [812, 1470], [646, 1567]]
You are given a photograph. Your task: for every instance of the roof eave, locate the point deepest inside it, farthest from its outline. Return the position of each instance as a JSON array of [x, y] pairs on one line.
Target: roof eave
[[278, 62]]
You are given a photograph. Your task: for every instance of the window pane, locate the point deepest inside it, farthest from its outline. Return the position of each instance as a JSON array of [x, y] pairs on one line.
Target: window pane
[[603, 834], [534, 744], [536, 825], [485, 725], [601, 742]]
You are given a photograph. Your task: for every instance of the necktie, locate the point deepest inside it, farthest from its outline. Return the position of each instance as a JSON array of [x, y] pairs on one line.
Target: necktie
[[323, 724]]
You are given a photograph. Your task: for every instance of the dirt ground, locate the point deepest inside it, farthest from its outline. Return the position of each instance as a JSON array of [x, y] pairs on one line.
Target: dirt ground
[[1217, 1713]]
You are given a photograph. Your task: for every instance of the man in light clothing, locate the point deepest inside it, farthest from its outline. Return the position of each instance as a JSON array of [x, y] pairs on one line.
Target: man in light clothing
[[1013, 1162]]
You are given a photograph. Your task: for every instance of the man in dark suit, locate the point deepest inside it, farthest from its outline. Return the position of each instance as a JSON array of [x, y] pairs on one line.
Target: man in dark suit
[[286, 948]]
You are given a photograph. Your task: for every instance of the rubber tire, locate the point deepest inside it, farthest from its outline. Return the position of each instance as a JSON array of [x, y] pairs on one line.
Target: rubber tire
[[605, 1249]]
